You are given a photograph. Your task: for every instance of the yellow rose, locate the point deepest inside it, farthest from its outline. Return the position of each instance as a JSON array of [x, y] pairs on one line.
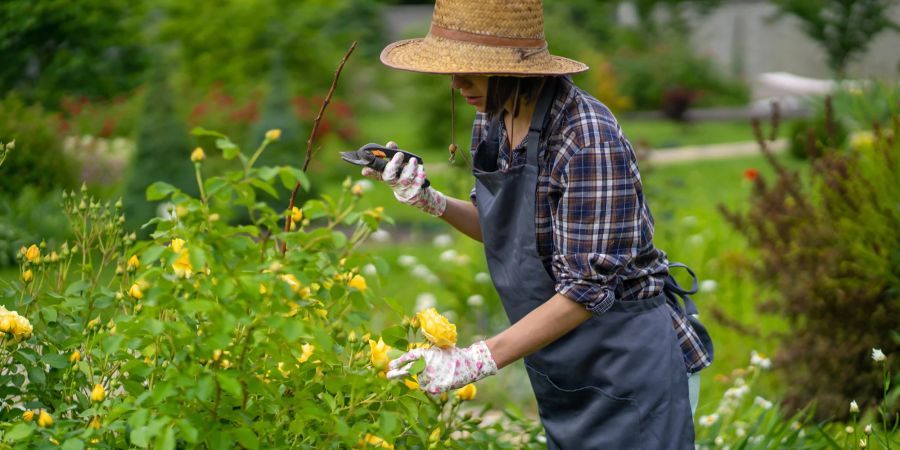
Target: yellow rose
[[198, 155], [95, 423], [262, 289], [135, 292], [27, 276], [358, 282], [33, 254], [292, 281], [98, 393], [436, 328], [133, 263], [75, 357], [182, 266], [376, 441], [467, 392], [23, 327], [296, 215], [379, 354], [44, 419], [273, 134], [28, 416], [177, 245], [308, 350]]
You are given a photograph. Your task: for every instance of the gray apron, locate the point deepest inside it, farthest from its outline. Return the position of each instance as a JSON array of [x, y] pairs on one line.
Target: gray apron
[[618, 380]]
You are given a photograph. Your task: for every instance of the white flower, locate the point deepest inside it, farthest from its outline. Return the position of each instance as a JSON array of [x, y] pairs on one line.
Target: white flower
[[708, 421], [736, 392], [365, 185], [740, 381], [406, 260], [740, 432], [708, 286], [166, 211], [421, 271], [475, 300], [854, 407], [877, 355], [432, 279], [849, 429], [442, 240], [542, 439], [482, 277], [381, 236], [369, 270], [755, 439], [868, 429], [695, 240], [761, 402], [425, 300], [795, 425], [760, 360], [449, 255], [862, 443], [719, 441]]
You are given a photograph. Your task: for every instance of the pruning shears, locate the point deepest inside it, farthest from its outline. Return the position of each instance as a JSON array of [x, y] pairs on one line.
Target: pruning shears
[[377, 156]]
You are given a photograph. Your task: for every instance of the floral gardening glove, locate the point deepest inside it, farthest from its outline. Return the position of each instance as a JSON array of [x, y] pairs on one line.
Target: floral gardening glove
[[407, 185], [446, 368]]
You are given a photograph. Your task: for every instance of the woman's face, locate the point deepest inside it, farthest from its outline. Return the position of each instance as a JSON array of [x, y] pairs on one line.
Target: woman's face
[[473, 88]]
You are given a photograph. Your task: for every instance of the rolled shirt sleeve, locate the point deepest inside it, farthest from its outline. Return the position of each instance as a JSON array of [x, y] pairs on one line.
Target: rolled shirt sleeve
[[598, 229]]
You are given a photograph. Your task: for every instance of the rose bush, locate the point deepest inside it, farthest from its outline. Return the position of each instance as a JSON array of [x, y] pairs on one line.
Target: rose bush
[[207, 335]]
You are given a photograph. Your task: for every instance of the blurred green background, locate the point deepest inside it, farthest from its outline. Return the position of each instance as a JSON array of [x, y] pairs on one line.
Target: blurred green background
[[104, 93]]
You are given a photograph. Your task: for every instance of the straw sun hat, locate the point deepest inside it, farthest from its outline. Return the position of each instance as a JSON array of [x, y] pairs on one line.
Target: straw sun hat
[[498, 37]]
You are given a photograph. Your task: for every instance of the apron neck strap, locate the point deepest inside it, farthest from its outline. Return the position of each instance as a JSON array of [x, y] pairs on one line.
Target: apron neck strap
[[540, 118]]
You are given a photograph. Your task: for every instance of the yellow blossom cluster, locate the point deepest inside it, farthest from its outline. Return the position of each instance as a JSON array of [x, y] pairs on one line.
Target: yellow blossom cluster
[[182, 266], [12, 324], [436, 328], [375, 441]]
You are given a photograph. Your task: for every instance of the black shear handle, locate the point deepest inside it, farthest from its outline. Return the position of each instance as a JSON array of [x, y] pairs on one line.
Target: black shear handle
[[368, 156]]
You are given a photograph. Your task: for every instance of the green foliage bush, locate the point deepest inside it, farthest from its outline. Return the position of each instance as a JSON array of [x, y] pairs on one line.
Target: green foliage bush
[[162, 147], [210, 336], [38, 159], [29, 216], [832, 252]]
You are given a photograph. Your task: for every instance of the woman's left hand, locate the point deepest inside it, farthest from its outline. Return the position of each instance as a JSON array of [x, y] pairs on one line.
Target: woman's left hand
[[446, 368]]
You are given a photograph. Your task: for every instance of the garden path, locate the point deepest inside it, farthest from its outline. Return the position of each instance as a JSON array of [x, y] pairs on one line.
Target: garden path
[[713, 151]]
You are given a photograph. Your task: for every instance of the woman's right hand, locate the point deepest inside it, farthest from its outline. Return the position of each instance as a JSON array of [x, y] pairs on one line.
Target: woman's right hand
[[407, 185]]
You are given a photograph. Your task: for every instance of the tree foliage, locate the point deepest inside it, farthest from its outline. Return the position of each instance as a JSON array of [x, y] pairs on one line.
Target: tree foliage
[[843, 28]]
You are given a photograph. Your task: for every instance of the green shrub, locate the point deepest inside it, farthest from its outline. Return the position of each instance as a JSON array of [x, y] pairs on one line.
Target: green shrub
[[832, 252], [38, 159], [29, 216], [162, 147]]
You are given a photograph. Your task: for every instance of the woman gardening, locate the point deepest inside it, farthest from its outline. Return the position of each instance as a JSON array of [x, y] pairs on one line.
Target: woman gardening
[[558, 203]]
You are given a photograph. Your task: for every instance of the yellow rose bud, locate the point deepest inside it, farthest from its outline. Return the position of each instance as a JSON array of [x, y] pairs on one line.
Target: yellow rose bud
[[135, 292], [75, 357], [27, 276], [54, 257], [296, 215], [358, 283], [28, 416], [95, 423], [379, 354], [356, 190], [436, 328], [44, 419], [435, 436], [98, 393], [133, 263], [467, 392], [33, 254], [198, 155], [262, 289], [308, 350], [177, 245], [216, 354], [273, 134], [214, 217]]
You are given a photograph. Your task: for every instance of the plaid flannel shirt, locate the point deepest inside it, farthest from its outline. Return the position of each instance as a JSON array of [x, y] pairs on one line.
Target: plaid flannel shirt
[[593, 227]]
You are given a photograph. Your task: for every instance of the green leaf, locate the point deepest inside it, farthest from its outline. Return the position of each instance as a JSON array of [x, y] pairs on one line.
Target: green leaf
[[200, 131], [247, 438], [56, 360], [188, 431], [159, 190], [339, 238], [205, 388], [290, 176], [417, 367], [36, 375], [77, 287], [229, 149], [265, 187], [167, 440], [395, 336], [151, 254], [140, 437], [18, 432], [73, 444], [229, 384]]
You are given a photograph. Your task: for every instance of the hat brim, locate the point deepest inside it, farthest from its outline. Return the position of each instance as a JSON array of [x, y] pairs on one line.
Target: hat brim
[[444, 56]]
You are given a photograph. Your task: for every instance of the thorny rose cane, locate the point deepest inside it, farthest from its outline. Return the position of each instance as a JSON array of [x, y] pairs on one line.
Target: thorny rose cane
[[312, 134]]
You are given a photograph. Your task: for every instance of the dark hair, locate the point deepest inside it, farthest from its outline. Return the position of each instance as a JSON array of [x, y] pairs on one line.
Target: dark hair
[[502, 88]]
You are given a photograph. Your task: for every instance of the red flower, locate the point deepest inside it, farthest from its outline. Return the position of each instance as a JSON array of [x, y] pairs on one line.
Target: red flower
[[751, 174]]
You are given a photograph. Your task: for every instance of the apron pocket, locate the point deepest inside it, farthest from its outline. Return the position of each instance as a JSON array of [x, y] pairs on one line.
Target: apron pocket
[[614, 422]]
